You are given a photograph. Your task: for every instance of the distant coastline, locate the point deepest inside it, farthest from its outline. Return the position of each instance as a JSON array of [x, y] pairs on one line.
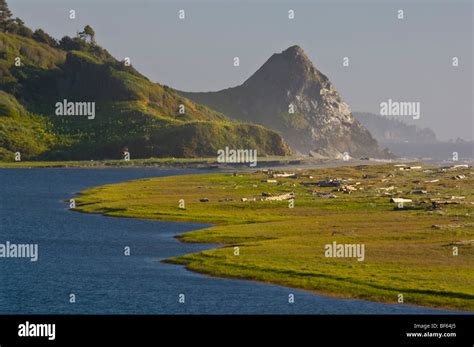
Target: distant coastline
[[183, 163]]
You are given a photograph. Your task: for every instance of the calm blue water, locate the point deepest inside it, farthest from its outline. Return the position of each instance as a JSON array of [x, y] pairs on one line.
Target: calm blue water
[[83, 254]]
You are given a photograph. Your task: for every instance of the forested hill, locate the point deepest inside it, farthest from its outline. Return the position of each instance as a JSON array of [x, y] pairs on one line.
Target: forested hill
[[39, 74]]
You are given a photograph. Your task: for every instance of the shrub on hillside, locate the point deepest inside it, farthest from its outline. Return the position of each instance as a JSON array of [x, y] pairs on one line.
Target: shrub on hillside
[[41, 36]]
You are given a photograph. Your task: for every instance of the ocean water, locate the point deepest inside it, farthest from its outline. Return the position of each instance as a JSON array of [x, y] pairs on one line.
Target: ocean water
[[439, 152], [82, 254]]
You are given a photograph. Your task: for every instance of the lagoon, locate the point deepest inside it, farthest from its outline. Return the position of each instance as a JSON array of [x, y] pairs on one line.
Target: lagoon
[[83, 254]]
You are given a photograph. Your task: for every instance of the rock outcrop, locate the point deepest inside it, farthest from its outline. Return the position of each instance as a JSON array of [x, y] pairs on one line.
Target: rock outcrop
[[290, 95]]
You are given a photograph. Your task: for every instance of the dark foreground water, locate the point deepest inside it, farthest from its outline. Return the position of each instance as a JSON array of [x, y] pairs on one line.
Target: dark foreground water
[[83, 254]]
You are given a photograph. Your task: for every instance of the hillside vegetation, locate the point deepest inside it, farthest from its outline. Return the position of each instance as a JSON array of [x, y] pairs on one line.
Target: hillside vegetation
[[131, 112]]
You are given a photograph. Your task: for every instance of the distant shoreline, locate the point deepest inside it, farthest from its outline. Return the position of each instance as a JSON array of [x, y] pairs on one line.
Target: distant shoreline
[[276, 163], [194, 163]]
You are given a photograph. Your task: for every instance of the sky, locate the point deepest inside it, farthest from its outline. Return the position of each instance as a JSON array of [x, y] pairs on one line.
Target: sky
[[407, 60]]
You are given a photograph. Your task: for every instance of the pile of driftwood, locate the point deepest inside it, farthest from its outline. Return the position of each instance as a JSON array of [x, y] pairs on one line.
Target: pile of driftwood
[[400, 200], [348, 189], [454, 167], [403, 167], [336, 182], [270, 197], [284, 175], [458, 177]]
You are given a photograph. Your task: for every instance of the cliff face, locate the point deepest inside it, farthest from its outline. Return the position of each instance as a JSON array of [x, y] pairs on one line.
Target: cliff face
[[290, 95]]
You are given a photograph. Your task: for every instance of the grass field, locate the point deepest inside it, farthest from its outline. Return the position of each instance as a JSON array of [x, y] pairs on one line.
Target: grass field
[[407, 251]]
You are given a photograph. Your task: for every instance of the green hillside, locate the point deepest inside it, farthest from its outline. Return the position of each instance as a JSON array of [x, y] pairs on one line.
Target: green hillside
[[131, 112]]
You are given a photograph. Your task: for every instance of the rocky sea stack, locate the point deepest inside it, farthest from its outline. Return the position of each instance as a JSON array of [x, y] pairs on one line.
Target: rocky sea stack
[[290, 95]]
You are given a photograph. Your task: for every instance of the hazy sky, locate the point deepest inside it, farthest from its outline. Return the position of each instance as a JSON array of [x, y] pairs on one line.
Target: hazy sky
[[402, 60]]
